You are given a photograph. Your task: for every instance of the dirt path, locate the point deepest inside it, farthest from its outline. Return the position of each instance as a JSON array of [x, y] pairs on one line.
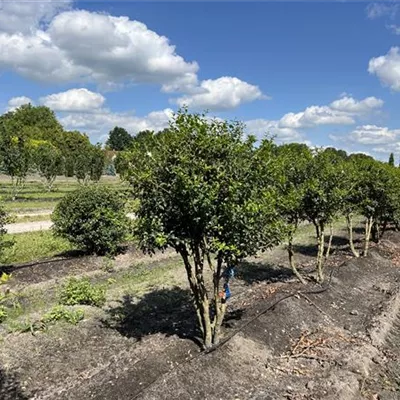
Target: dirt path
[[46, 224]]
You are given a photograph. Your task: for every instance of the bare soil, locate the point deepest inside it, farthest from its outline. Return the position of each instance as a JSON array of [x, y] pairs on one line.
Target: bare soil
[[341, 343]]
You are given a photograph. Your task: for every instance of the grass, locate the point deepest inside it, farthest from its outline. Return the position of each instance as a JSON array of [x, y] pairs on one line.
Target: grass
[[33, 196], [33, 246], [32, 218]]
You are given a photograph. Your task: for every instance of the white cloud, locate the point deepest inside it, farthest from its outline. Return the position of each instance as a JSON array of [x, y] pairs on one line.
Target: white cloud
[[387, 68], [372, 134], [354, 107], [221, 94], [87, 46], [262, 127], [99, 124], [74, 100], [28, 15], [16, 102], [377, 10], [394, 28], [339, 112]]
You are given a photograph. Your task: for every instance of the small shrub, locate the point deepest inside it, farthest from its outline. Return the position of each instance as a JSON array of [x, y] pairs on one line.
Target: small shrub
[[107, 264], [3, 313], [60, 313], [81, 291], [93, 218]]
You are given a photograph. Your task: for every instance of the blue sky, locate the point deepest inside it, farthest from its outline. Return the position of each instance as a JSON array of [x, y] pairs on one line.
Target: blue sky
[[324, 73]]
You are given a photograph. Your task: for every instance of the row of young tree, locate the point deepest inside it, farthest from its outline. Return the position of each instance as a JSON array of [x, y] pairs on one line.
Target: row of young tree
[[216, 196], [32, 140]]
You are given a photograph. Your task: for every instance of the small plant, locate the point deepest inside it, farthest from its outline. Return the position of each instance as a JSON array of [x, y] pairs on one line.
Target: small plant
[[108, 264], [3, 313], [81, 291], [60, 313], [4, 278]]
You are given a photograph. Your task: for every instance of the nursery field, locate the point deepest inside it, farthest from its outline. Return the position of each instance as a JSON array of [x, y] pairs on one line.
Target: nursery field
[[137, 338]]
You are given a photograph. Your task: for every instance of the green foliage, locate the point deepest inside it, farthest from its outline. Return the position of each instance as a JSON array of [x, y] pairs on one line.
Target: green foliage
[[200, 192], [61, 313], [30, 246], [93, 218], [3, 313], [89, 164], [119, 139], [48, 161], [391, 160], [81, 291]]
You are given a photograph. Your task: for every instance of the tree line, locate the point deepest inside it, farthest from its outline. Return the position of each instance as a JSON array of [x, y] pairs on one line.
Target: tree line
[[216, 196], [32, 140]]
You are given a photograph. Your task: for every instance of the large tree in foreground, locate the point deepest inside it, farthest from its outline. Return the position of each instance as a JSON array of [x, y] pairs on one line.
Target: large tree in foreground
[[200, 192]]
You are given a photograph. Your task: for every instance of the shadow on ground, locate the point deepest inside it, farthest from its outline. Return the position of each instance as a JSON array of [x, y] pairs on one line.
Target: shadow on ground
[[253, 272], [10, 388], [167, 311]]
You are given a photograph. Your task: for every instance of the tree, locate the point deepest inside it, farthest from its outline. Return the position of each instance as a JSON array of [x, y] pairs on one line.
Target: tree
[[294, 160], [74, 144], [15, 155], [48, 161], [200, 192], [323, 198], [89, 164], [93, 218], [119, 139], [391, 160]]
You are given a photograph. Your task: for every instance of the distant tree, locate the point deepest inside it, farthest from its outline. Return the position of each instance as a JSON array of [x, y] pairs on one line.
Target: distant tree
[[200, 192], [15, 155], [391, 160], [119, 139], [89, 164], [74, 144], [48, 161]]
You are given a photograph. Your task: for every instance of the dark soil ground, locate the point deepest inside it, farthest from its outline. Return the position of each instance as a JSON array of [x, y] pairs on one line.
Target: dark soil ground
[[341, 343]]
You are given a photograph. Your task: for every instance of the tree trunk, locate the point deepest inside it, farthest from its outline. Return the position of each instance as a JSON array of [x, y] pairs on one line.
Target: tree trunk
[[368, 227], [199, 291], [291, 258], [375, 231], [320, 255], [328, 250], [349, 220]]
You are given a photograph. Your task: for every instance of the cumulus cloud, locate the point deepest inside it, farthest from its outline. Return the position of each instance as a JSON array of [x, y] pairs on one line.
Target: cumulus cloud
[[394, 29], [372, 134], [387, 68], [16, 102], [262, 127], [339, 112], [87, 46], [221, 94], [377, 10], [74, 100], [99, 124], [27, 16]]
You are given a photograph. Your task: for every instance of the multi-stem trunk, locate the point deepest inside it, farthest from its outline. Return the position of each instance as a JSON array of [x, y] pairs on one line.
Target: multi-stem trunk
[[368, 227], [349, 220], [328, 250], [209, 322], [291, 255], [319, 229]]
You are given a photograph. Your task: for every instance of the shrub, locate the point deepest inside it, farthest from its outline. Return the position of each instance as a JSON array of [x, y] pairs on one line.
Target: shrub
[[60, 313], [92, 218], [81, 291]]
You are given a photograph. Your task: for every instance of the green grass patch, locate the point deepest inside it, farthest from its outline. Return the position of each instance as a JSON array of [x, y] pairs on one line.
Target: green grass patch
[[33, 246]]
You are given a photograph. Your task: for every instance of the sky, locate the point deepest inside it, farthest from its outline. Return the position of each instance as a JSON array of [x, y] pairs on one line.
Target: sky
[[322, 73]]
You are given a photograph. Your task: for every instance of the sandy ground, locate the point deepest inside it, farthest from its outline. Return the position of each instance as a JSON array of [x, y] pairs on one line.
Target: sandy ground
[[309, 346]]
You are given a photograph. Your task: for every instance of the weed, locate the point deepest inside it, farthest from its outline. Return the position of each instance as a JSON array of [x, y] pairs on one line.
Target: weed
[[61, 313], [108, 264], [3, 313], [81, 291]]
